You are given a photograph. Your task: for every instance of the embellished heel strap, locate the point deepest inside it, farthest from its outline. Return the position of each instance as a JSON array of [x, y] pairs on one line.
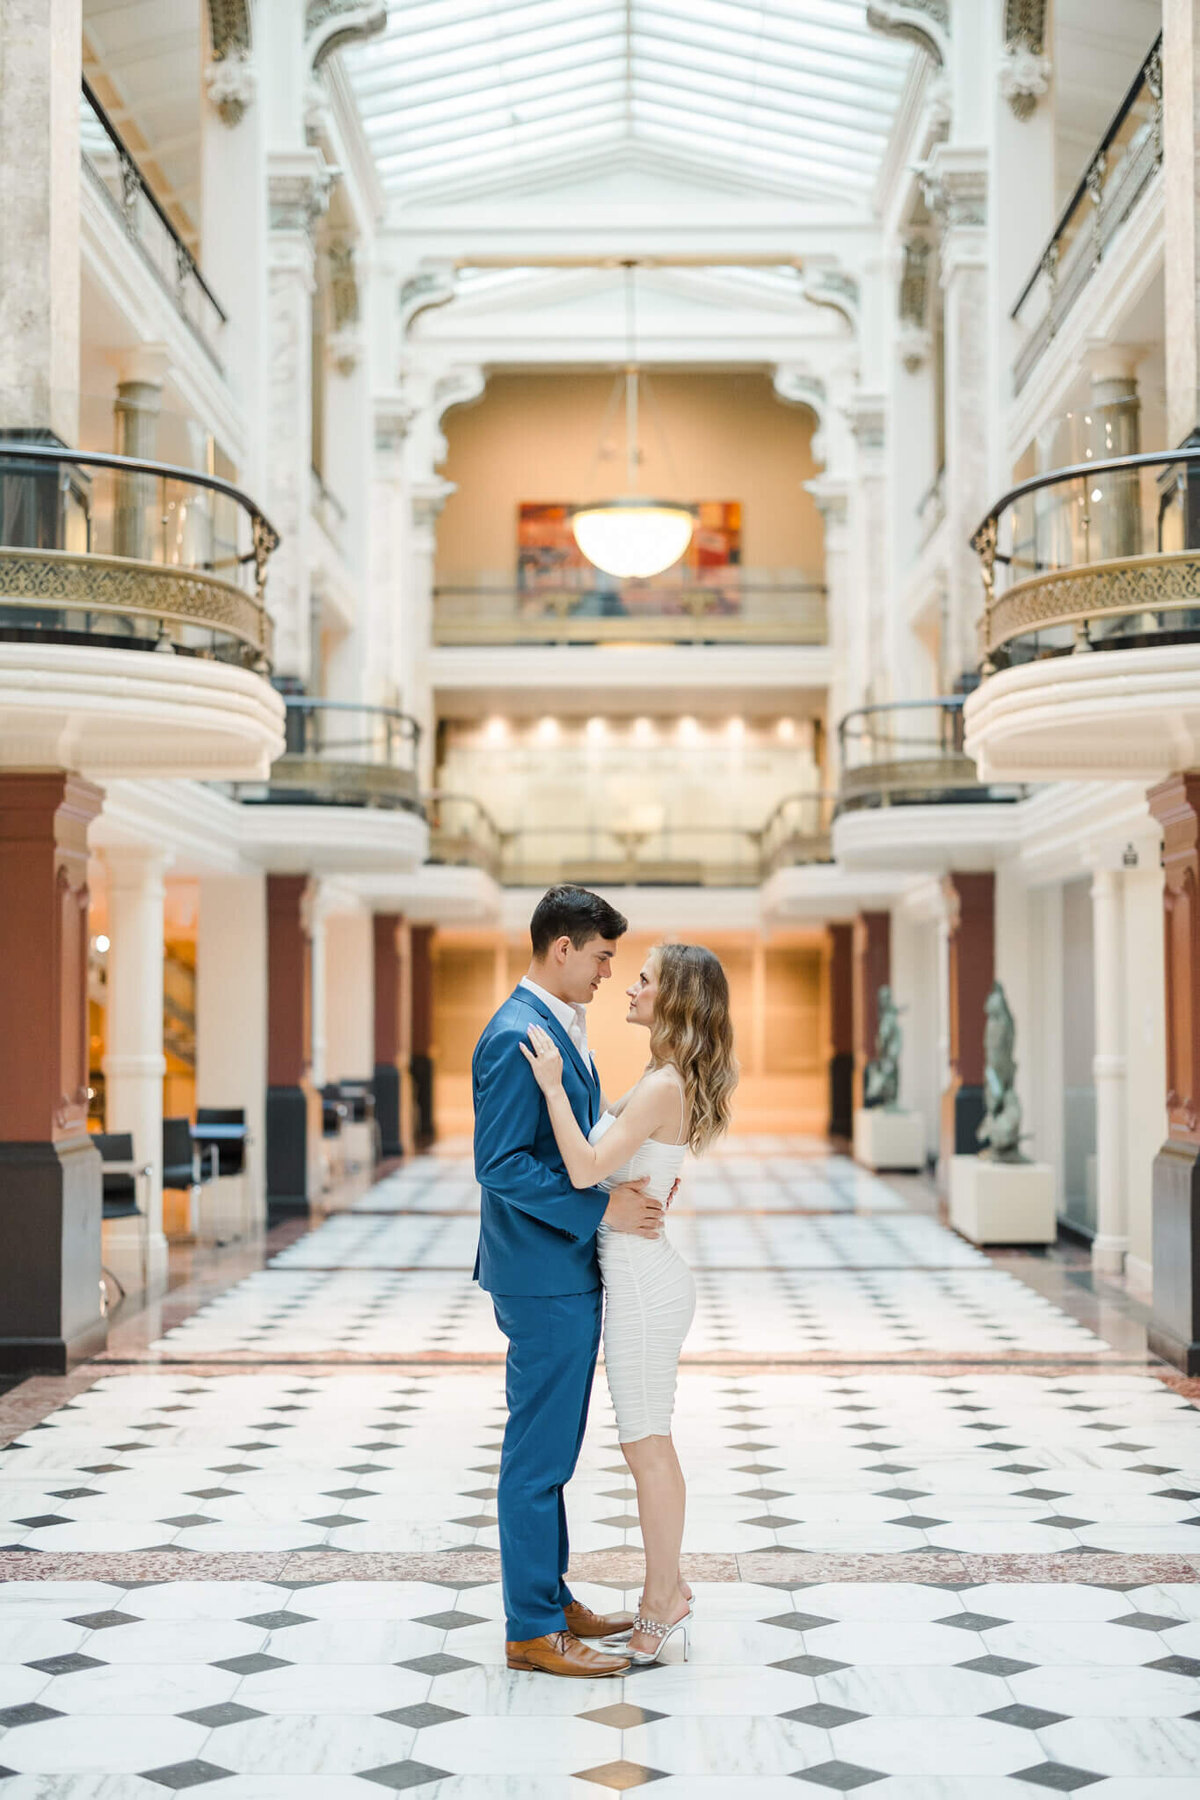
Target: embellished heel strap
[[651, 1627]]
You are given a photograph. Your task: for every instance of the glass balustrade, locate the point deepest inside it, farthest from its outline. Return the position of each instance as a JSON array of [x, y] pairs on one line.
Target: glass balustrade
[[909, 753], [1101, 555], [131, 554], [338, 753]]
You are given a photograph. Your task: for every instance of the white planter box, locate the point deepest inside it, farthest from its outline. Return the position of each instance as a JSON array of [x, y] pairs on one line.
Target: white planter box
[[889, 1140], [1002, 1203]]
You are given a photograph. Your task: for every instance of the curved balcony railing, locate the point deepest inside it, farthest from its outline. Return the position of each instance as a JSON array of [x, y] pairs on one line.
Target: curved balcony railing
[[338, 753], [463, 833], [796, 832], [1101, 555], [733, 610], [909, 753], [111, 550]]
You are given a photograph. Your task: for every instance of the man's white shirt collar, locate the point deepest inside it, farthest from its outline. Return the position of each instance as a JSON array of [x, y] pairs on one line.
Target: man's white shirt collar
[[573, 1019]]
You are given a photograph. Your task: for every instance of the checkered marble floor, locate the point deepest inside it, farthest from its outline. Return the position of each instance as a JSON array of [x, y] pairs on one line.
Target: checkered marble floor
[[914, 1692], [987, 1463], [862, 1390]]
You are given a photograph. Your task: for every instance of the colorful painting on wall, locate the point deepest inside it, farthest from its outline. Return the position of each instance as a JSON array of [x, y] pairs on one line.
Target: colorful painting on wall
[[549, 559]]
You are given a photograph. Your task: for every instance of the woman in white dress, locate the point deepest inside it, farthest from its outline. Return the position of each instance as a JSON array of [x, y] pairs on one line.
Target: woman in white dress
[[681, 1102]]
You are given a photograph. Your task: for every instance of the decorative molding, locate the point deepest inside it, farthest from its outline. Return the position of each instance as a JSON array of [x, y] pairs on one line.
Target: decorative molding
[[297, 197], [229, 27], [867, 418], [925, 23], [329, 24], [395, 416], [231, 82], [799, 387], [432, 286], [955, 184], [1024, 78], [824, 285], [1024, 67], [914, 344], [913, 305], [344, 349], [343, 285]]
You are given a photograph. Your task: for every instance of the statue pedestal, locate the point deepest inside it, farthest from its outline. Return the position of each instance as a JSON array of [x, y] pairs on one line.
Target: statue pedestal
[[889, 1140], [1002, 1203]]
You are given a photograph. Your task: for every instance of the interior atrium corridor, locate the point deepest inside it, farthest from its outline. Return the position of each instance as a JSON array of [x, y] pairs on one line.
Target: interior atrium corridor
[[942, 1524], [733, 465]]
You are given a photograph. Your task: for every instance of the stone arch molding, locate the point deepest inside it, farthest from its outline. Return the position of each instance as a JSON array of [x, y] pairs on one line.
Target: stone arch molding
[[796, 385], [328, 24], [925, 23]]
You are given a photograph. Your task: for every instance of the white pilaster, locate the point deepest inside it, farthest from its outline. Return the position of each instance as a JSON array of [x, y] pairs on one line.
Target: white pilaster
[[1108, 1070], [349, 996], [231, 1014], [1181, 234], [134, 1064]]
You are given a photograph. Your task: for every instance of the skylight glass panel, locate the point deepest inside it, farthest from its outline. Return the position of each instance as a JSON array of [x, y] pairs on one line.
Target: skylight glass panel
[[795, 92]]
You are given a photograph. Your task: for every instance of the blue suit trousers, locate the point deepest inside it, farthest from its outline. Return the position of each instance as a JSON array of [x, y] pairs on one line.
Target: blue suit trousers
[[552, 1345]]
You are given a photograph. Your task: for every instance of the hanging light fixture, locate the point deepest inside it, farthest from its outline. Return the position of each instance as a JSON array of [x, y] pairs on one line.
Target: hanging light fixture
[[632, 536]]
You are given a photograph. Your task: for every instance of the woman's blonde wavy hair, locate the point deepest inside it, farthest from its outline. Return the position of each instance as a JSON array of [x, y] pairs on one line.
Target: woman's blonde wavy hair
[[692, 1030]]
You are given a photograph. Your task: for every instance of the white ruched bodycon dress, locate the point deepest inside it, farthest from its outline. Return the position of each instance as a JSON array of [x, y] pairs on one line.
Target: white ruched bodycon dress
[[650, 1298]]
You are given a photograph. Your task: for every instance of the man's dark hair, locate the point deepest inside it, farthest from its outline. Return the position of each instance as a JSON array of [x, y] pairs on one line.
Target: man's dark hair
[[576, 913]]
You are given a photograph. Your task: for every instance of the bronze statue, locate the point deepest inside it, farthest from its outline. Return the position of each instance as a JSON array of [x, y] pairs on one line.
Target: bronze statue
[[882, 1075], [1000, 1129]]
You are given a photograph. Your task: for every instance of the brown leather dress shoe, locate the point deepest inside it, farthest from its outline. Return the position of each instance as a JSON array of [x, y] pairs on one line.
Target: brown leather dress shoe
[[561, 1653], [586, 1624]]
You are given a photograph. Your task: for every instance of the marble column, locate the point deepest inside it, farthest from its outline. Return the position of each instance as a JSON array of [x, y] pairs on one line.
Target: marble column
[[957, 190], [134, 1064], [1181, 230], [427, 503], [872, 970], [1108, 1072], [841, 1029], [40, 55], [387, 1078], [50, 1191], [297, 190], [971, 961], [1115, 430], [293, 1107], [421, 1014], [136, 509], [1174, 1331], [832, 496], [231, 1016]]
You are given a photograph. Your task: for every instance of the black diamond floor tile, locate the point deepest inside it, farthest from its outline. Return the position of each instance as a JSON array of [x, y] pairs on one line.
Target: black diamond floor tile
[[840, 1777], [1060, 1778], [439, 1663], [186, 1774], [1029, 1718], [69, 1664], [823, 1716], [419, 1717], [227, 1712], [31, 1713], [407, 1774]]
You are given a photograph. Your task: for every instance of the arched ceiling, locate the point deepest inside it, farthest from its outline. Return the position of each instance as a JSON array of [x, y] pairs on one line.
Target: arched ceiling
[[794, 96]]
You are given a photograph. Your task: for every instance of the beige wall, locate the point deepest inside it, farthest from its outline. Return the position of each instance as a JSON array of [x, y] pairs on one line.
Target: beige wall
[[535, 437], [779, 998]]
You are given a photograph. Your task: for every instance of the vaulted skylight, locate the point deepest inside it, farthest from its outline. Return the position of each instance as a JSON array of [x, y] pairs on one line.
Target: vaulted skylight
[[796, 95]]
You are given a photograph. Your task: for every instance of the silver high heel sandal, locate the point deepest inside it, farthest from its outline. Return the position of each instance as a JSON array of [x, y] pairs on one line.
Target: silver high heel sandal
[[642, 1659]]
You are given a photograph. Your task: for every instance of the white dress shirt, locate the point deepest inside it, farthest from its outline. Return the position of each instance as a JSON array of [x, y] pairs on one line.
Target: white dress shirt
[[572, 1018]]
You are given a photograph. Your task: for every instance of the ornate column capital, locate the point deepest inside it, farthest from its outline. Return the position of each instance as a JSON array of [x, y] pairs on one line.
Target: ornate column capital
[[298, 188], [432, 285], [955, 184], [231, 82]]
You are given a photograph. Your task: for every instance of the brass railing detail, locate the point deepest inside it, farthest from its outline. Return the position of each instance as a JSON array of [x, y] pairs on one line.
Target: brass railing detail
[[1119, 589], [110, 588]]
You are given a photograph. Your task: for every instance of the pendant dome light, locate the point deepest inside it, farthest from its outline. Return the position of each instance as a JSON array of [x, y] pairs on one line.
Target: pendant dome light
[[632, 536]]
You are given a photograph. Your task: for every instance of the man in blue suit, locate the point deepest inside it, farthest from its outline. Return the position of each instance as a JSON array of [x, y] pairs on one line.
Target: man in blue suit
[[537, 1259]]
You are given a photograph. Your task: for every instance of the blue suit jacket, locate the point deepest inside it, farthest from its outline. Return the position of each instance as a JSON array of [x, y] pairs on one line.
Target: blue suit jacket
[[537, 1234]]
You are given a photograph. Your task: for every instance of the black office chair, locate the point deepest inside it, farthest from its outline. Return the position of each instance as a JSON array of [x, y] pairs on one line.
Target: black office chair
[[231, 1148], [120, 1174], [333, 1109]]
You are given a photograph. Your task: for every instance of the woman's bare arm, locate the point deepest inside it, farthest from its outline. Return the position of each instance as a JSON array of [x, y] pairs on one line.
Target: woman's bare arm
[[646, 1112]]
